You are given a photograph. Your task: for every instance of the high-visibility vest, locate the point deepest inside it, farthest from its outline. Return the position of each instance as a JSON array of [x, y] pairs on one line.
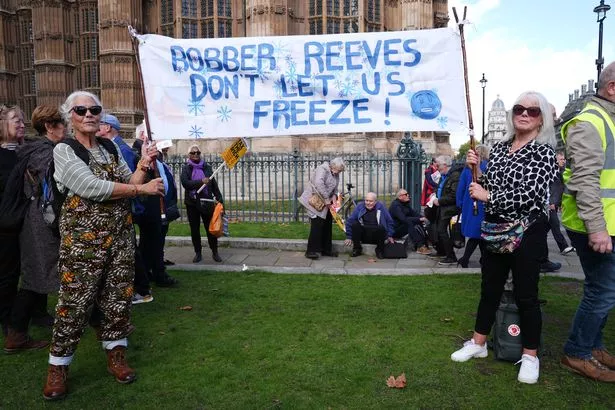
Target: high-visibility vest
[[603, 123]]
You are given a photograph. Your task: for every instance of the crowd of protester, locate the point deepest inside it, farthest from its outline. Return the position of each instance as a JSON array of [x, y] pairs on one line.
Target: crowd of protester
[[71, 196]]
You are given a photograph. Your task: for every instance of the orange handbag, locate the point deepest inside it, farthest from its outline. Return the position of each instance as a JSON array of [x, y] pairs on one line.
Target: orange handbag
[[216, 224]]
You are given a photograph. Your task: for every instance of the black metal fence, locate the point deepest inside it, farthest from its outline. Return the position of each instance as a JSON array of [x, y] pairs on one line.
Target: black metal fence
[[264, 187]]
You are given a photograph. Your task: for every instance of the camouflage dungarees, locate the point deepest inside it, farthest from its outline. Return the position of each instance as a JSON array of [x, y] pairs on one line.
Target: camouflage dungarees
[[96, 264]]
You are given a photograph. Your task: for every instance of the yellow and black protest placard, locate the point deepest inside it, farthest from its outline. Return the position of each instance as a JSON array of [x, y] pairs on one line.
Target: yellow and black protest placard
[[233, 154]]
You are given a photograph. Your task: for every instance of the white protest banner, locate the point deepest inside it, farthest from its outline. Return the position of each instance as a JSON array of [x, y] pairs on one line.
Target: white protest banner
[[270, 86]]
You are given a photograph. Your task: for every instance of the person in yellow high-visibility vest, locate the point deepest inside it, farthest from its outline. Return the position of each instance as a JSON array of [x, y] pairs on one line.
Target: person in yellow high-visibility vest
[[588, 214]]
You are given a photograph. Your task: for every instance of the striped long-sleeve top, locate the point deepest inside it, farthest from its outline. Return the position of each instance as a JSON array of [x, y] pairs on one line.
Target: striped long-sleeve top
[[75, 177]]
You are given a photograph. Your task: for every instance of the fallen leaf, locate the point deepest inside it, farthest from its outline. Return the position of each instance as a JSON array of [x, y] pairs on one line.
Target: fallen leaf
[[185, 308], [446, 319], [397, 383], [161, 333], [371, 260]]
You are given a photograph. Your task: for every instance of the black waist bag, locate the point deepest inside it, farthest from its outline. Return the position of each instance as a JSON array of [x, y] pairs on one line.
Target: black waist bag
[[507, 343], [395, 250]]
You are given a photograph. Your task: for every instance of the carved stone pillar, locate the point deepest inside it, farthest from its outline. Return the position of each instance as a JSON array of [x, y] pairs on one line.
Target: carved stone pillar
[[120, 89], [267, 17], [51, 26]]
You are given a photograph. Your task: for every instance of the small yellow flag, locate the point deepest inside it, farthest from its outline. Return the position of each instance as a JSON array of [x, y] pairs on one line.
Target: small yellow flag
[[232, 154]]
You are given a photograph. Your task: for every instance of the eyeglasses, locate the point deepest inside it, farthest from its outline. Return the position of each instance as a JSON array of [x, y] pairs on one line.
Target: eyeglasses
[[80, 110], [404, 194], [531, 111], [195, 153]]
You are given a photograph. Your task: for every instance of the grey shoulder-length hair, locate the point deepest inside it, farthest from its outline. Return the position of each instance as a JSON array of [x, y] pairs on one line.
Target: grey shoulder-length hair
[[70, 101], [546, 133]]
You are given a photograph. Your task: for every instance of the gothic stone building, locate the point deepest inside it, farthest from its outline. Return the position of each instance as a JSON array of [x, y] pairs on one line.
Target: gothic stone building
[[49, 48]]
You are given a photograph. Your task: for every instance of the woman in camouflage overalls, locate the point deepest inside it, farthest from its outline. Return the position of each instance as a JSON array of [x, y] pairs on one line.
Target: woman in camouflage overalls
[[96, 263]]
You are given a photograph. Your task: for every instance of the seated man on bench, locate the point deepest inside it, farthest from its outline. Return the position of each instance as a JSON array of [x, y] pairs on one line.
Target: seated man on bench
[[370, 222], [407, 221]]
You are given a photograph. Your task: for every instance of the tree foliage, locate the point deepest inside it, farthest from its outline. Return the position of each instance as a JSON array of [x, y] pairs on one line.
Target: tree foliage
[[463, 150]]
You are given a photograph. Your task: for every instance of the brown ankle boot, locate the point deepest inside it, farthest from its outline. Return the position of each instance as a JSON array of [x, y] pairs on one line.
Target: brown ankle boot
[[56, 388], [118, 367], [17, 341]]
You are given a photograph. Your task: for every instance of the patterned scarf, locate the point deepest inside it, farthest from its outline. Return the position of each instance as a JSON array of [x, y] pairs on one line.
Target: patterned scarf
[[198, 175]]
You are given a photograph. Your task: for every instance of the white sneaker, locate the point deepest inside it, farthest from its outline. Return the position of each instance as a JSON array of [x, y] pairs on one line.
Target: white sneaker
[[137, 298], [530, 368], [568, 250], [469, 350]]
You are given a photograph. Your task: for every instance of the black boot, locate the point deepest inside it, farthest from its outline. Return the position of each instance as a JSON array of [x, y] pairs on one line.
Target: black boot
[[197, 257], [215, 256]]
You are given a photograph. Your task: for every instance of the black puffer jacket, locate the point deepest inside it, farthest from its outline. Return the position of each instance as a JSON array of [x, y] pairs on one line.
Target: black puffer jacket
[[447, 202]]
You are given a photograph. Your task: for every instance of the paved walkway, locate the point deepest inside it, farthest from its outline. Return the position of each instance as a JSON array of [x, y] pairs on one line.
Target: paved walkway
[[287, 256]]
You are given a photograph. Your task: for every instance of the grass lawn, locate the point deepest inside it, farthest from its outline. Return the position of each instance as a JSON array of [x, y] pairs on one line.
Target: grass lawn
[[292, 230], [259, 341]]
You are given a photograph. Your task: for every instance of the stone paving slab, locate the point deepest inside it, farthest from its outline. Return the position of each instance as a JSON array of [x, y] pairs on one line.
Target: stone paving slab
[[287, 256]]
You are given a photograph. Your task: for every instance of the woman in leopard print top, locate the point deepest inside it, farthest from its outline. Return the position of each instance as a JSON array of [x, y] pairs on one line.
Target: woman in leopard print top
[[516, 187]]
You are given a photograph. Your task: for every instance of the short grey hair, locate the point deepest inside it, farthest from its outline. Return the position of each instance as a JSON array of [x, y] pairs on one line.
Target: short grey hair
[[546, 133], [337, 163], [606, 76], [482, 151], [139, 130], [445, 160], [371, 194], [70, 100]]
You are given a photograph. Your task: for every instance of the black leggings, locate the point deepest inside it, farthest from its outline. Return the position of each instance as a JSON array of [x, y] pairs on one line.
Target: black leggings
[[525, 265]]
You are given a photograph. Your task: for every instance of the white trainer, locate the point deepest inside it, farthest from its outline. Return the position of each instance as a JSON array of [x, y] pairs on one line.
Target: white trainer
[[470, 350], [530, 368], [568, 250], [138, 299]]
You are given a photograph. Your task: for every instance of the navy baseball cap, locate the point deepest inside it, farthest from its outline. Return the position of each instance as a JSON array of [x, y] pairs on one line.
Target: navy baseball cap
[[111, 120]]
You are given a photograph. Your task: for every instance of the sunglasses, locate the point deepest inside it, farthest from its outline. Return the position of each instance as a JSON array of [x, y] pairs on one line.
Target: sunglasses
[[80, 110], [531, 111], [406, 194], [195, 153]]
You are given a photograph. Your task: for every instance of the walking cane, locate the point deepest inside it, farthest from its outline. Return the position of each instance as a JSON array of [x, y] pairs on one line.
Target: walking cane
[[465, 76]]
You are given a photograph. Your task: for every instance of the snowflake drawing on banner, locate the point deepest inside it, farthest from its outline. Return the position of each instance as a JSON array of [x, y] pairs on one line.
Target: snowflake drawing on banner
[[224, 113], [346, 84], [179, 70], [442, 122], [196, 132], [263, 74], [196, 108], [280, 49], [291, 72]]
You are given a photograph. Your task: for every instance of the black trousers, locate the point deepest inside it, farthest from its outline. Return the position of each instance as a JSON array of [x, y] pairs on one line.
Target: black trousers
[[368, 234], [470, 247], [27, 304], [9, 274], [410, 228], [556, 230], [444, 239], [196, 214], [142, 282], [150, 249], [321, 233], [525, 265]]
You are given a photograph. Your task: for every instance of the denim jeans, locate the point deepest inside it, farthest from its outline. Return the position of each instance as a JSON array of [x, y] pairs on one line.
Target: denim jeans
[[598, 298]]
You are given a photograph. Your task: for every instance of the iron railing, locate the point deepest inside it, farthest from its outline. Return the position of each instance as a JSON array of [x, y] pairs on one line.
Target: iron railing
[[264, 187]]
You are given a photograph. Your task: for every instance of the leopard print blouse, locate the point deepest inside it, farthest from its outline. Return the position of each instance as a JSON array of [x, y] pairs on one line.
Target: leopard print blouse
[[519, 182]]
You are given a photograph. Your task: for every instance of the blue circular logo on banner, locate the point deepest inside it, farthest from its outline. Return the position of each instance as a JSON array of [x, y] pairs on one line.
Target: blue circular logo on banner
[[426, 105]]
